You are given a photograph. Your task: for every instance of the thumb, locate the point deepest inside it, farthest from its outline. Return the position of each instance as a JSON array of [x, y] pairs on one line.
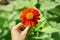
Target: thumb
[[26, 30]]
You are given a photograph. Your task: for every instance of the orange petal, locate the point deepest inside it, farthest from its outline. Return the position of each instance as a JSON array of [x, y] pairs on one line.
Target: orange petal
[[36, 13], [30, 9], [37, 17], [27, 23], [33, 23]]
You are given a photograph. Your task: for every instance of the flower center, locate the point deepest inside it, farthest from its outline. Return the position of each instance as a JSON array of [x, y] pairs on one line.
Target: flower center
[[29, 16]]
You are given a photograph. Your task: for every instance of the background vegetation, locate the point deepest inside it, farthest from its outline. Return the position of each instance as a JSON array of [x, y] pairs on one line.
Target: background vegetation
[[48, 27]]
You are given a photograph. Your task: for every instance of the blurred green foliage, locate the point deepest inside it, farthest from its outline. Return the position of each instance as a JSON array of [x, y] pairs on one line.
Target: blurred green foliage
[[48, 27]]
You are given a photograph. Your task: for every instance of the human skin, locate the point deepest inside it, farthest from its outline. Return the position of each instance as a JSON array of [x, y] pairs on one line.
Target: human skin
[[17, 33]]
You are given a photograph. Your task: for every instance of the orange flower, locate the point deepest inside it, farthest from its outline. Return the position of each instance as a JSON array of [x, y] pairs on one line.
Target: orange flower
[[30, 17]]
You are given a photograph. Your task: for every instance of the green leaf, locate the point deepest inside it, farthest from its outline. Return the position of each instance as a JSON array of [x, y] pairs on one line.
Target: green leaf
[[53, 24], [56, 10], [6, 8], [12, 24], [48, 5], [0, 0], [50, 30], [42, 1], [58, 25], [29, 4], [57, 0], [33, 3], [12, 16]]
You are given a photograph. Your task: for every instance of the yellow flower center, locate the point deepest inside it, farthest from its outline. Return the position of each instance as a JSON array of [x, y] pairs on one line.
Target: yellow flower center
[[29, 16]]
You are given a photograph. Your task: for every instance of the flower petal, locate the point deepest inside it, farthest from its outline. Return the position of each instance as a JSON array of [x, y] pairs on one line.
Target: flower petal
[[27, 23], [33, 23], [37, 17], [36, 13]]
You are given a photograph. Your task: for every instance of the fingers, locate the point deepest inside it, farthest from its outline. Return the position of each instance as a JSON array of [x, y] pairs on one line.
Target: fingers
[[26, 29], [18, 26]]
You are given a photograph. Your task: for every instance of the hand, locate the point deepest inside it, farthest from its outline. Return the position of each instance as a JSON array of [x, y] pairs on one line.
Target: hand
[[19, 33]]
